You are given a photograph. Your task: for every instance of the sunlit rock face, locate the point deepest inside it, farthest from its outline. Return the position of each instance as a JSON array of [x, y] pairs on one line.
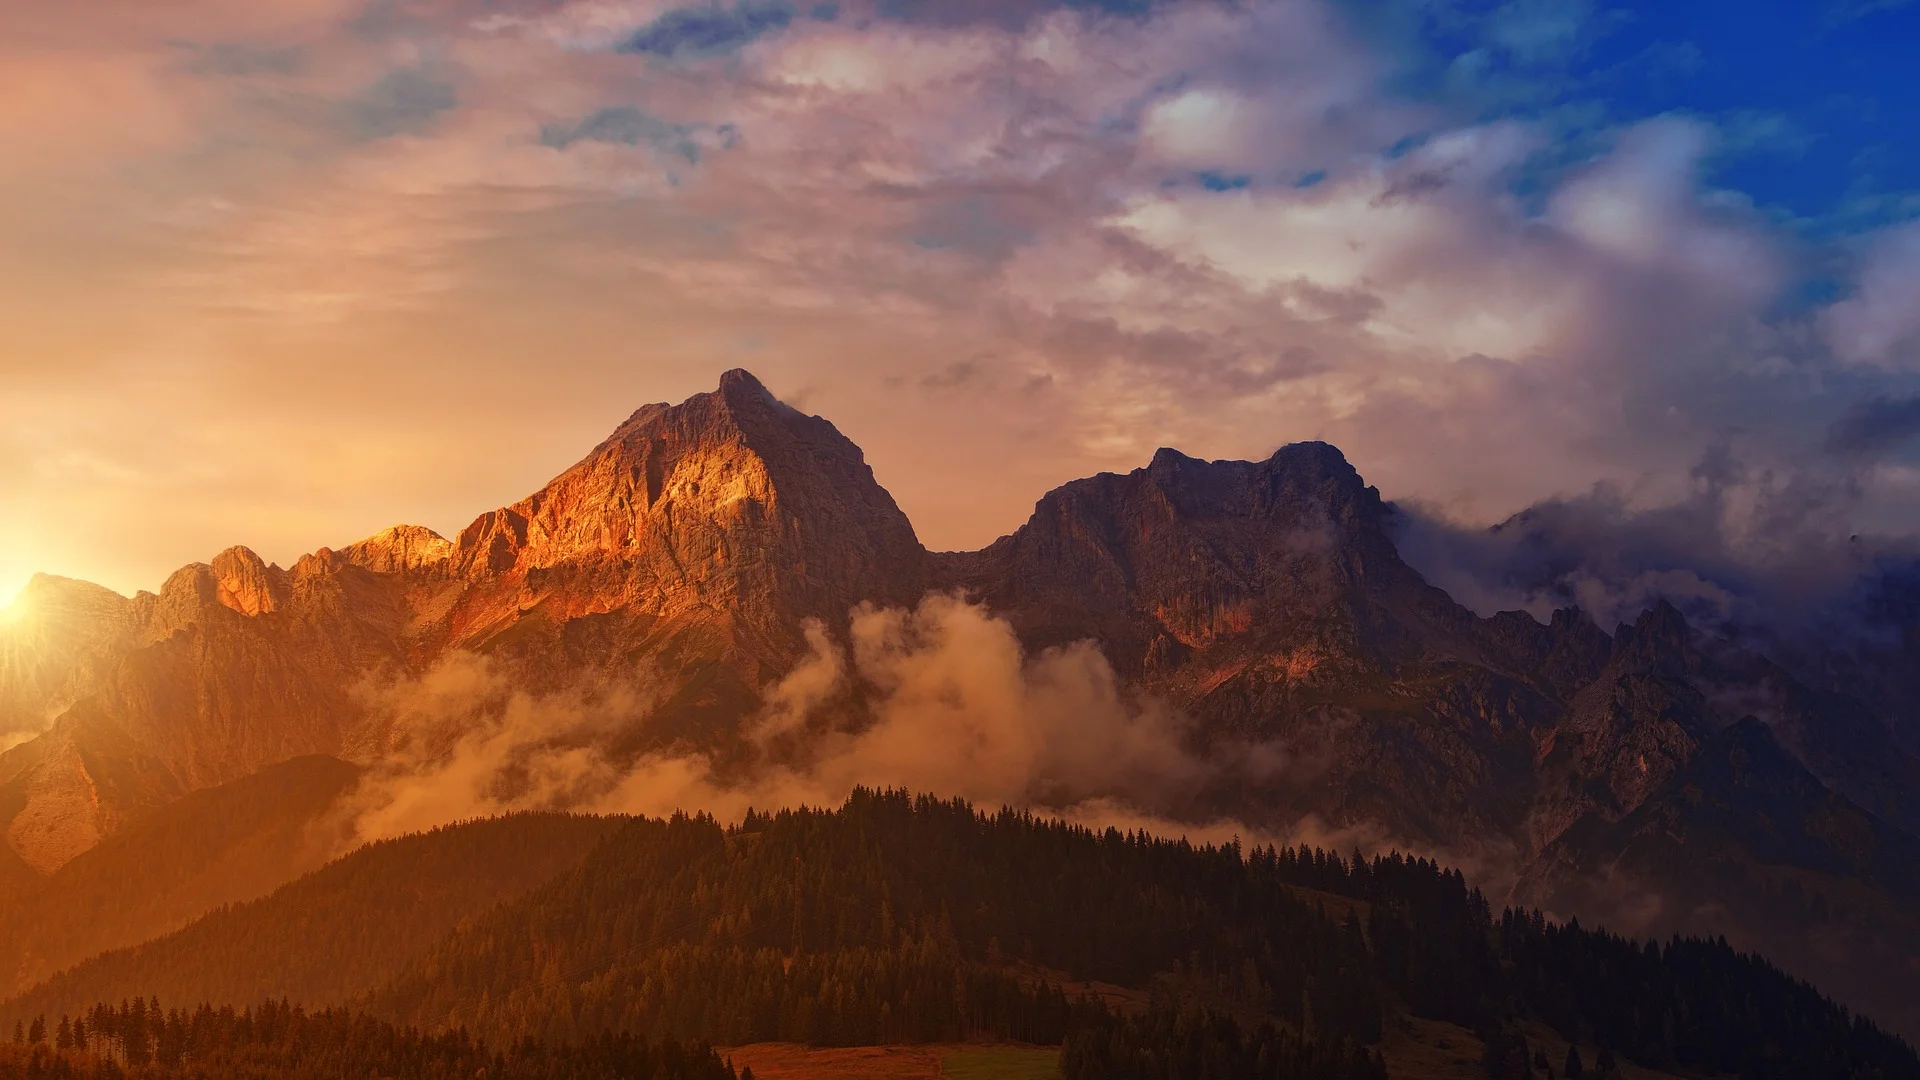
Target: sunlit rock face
[[48, 638], [732, 516], [1264, 603], [689, 547]]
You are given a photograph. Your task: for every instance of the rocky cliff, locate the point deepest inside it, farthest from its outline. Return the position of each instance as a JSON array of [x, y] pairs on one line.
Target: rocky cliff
[[694, 542], [1266, 601]]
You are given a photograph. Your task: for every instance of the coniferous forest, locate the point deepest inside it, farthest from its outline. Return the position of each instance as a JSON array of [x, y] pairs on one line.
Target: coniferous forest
[[902, 919], [141, 1041]]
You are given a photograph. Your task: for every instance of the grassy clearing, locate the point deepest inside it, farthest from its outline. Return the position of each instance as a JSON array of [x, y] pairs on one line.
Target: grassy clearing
[[787, 1061], [1001, 1063]]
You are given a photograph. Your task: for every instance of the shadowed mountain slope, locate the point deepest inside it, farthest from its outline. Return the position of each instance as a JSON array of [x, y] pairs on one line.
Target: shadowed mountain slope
[[1265, 603], [216, 846], [339, 930]]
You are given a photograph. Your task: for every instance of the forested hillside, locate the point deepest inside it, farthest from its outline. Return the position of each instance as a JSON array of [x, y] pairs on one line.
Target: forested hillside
[[341, 929], [140, 1041], [897, 919]]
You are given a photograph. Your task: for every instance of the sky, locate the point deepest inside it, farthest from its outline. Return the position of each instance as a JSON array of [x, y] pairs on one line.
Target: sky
[[286, 272]]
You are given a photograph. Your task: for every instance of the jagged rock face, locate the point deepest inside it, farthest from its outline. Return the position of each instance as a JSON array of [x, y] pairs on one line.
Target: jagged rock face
[[231, 667], [55, 630], [696, 540], [1745, 842], [731, 508], [1266, 600], [401, 549], [1172, 560]]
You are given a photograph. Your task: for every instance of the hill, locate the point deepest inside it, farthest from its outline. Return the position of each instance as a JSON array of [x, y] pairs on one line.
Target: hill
[[219, 846], [912, 920], [340, 929]]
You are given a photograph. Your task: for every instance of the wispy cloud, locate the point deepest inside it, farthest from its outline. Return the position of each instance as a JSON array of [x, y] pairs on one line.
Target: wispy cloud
[[1845, 11]]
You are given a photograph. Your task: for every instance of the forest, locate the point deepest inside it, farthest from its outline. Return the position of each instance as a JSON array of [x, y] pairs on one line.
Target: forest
[[138, 1040], [904, 919]]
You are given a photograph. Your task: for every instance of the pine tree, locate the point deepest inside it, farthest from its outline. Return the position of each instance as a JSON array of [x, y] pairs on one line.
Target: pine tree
[[1575, 1068], [37, 1033]]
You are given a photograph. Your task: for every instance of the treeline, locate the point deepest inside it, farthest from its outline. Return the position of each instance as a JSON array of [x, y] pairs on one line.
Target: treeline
[[773, 917], [278, 1041], [1182, 1044], [920, 991], [910, 919], [898, 916], [1688, 1003]]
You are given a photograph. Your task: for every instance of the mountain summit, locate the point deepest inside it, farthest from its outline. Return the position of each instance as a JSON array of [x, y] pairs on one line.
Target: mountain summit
[[1263, 601], [730, 502]]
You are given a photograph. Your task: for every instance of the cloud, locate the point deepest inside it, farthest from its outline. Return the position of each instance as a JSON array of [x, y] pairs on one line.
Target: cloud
[[1874, 427], [1880, 323], [1753, 552], [1845, 11], [402, 102], [711, 29], [1010, 13], [1214, 226], [952, 704], [627, 126]]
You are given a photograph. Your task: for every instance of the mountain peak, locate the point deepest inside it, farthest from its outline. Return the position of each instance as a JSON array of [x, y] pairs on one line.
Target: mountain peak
[[729, 500], [739, 382], [400, 548]]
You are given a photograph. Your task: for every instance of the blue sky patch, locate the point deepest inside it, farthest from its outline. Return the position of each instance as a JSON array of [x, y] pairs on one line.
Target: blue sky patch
[[1810, 100], [1219, 181], [710, 29], [626, 126]]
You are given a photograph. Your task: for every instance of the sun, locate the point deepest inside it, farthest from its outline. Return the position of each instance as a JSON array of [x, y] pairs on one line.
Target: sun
[[13, 603]]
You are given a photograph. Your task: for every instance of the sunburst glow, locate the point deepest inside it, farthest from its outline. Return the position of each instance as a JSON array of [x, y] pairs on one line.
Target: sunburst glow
[[13, 602]]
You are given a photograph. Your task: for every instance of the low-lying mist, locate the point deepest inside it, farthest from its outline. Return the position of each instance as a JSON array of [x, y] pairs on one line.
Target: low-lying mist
[[942, 698]]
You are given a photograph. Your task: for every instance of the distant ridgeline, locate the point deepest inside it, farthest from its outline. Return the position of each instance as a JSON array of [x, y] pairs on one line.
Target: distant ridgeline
[[897, 919]]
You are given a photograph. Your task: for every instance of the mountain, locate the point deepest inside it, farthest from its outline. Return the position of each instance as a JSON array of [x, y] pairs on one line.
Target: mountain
[[696, 538], [212, 847], [1744, 841], [1268, 600], [339, 930], [1265, 603], [233, 666]]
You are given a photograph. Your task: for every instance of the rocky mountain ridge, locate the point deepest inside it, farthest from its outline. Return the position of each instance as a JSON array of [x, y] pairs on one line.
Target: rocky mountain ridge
[[1267, 601]]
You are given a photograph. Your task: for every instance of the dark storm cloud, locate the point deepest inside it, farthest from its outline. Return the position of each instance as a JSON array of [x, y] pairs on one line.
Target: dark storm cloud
[[1875, 427], [1750, 550]]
